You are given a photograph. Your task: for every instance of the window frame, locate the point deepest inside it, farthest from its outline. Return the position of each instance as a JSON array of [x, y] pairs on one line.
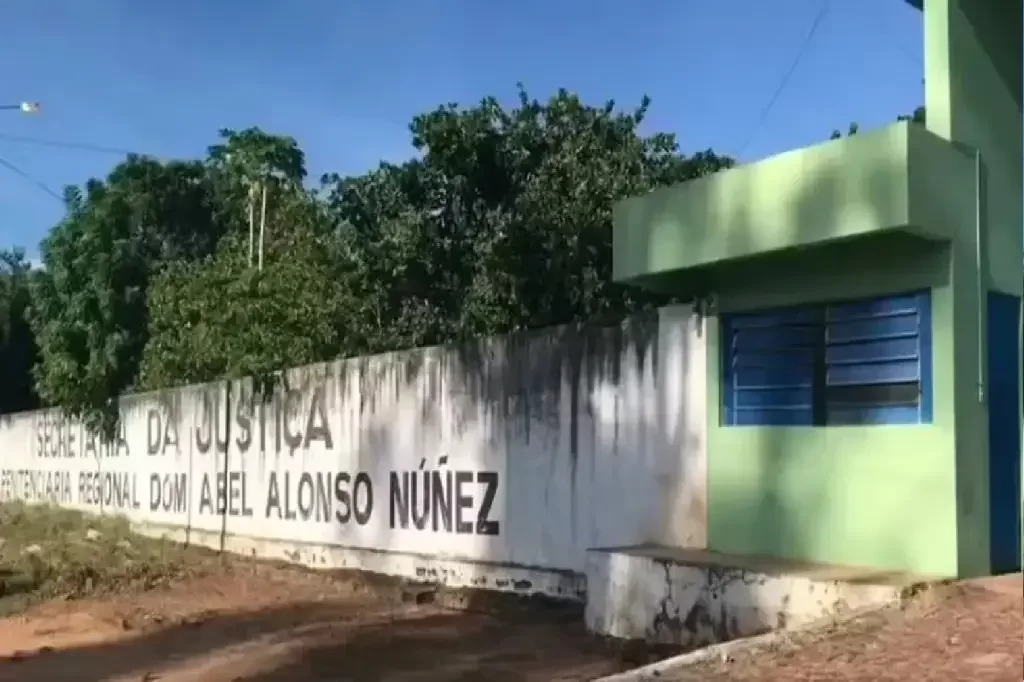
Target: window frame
[[866, 361]]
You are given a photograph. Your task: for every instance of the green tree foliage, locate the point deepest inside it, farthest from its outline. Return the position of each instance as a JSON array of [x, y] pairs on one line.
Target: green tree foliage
[[221, 317], [917, 117], [502, 222], [90, 311], [18, 350]]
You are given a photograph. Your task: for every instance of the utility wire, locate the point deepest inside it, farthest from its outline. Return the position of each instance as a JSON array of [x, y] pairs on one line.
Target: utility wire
[[25, 176], [61, 144], [57, 144], [822, 11]]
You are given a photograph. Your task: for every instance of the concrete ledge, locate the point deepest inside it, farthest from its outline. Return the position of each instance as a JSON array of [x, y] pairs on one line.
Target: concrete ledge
[[451, 573], [729, 651], [666, 596]]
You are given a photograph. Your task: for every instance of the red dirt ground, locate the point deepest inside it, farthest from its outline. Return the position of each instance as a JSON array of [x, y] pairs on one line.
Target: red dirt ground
[[260, 623], [967, 632], [274, 624]]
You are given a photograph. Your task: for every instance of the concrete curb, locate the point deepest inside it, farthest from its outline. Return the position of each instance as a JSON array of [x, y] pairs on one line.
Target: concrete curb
[[655, 672], [723, 651]]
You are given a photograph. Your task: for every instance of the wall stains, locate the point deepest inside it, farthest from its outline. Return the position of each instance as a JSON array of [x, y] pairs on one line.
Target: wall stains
[[590, 444]]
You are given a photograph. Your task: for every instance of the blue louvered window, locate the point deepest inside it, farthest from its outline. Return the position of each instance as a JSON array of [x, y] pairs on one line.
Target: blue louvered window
[[850, 363]]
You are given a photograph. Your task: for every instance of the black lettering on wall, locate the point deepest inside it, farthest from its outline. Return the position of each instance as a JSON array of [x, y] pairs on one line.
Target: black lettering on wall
[[109, 490], [41, 434], [463, 503], [161, 430], [419, 516], [221, 439], [243, 418], [238, 504], [290, 405], [281, 420], [320, 497], [205, 495], [154, 434], [273, 497], [32, 485], [398, 484], [263, 420], [213, 427], [69, 439], [90, 444], [204, 431], [317, 427], [343, 497], [439, 500], [484, 524], [306, 496], [227, 495], [56, 436], [363, 498], [171, 431], [121, 447], [168, 493]]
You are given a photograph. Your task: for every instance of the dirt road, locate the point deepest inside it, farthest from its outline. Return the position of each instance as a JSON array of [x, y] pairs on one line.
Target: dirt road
[[969, 632], [268, 624], [97, 604]]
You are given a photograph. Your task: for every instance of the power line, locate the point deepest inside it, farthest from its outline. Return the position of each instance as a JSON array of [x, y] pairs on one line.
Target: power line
[[61, 144], [822, 11], [57, 144], [25, 176]]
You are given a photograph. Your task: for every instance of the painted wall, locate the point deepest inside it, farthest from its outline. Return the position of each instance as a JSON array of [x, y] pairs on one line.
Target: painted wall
[[870, 496], [973, 58], [520, 451], [800, 198]]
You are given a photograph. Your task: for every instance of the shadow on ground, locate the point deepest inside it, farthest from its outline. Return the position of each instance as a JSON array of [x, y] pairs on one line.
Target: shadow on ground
[[328, 640]]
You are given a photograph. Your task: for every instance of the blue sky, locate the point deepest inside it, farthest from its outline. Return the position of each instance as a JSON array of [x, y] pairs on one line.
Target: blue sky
[[346, 76]]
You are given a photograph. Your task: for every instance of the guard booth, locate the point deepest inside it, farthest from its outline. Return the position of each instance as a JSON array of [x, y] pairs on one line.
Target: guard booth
[[863, 322]]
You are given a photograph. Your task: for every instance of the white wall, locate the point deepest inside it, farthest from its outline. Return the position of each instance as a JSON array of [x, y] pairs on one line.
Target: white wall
[[544, 444]]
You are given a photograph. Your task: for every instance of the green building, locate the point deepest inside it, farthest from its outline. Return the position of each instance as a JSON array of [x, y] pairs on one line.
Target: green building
[[863, 300]]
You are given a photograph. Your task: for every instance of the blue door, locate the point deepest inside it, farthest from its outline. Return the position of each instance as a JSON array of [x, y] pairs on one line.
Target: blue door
[[1004, 417]]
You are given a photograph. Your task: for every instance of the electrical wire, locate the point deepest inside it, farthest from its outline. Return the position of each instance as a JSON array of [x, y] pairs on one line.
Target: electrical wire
[[25, 176], [61, 144], [822, 11], [57, 144]]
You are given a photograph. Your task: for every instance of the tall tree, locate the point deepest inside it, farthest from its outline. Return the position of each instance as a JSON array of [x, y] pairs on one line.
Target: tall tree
[[18, 350], [225, 316], [502, 223], [90, 310], [505, 221]]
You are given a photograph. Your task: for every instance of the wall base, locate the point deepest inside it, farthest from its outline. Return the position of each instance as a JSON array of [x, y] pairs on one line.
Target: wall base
[[690, 599], [452, 573]]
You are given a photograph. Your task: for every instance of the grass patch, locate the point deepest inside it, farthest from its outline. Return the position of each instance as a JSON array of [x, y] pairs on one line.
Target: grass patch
[[52, 553]]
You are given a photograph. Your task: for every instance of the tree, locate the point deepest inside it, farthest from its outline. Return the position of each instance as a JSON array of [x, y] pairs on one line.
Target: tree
[[224, 318], [90, 311], [502, 223], [241, 166], [918, 116], [505, 222], [18, 350]]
